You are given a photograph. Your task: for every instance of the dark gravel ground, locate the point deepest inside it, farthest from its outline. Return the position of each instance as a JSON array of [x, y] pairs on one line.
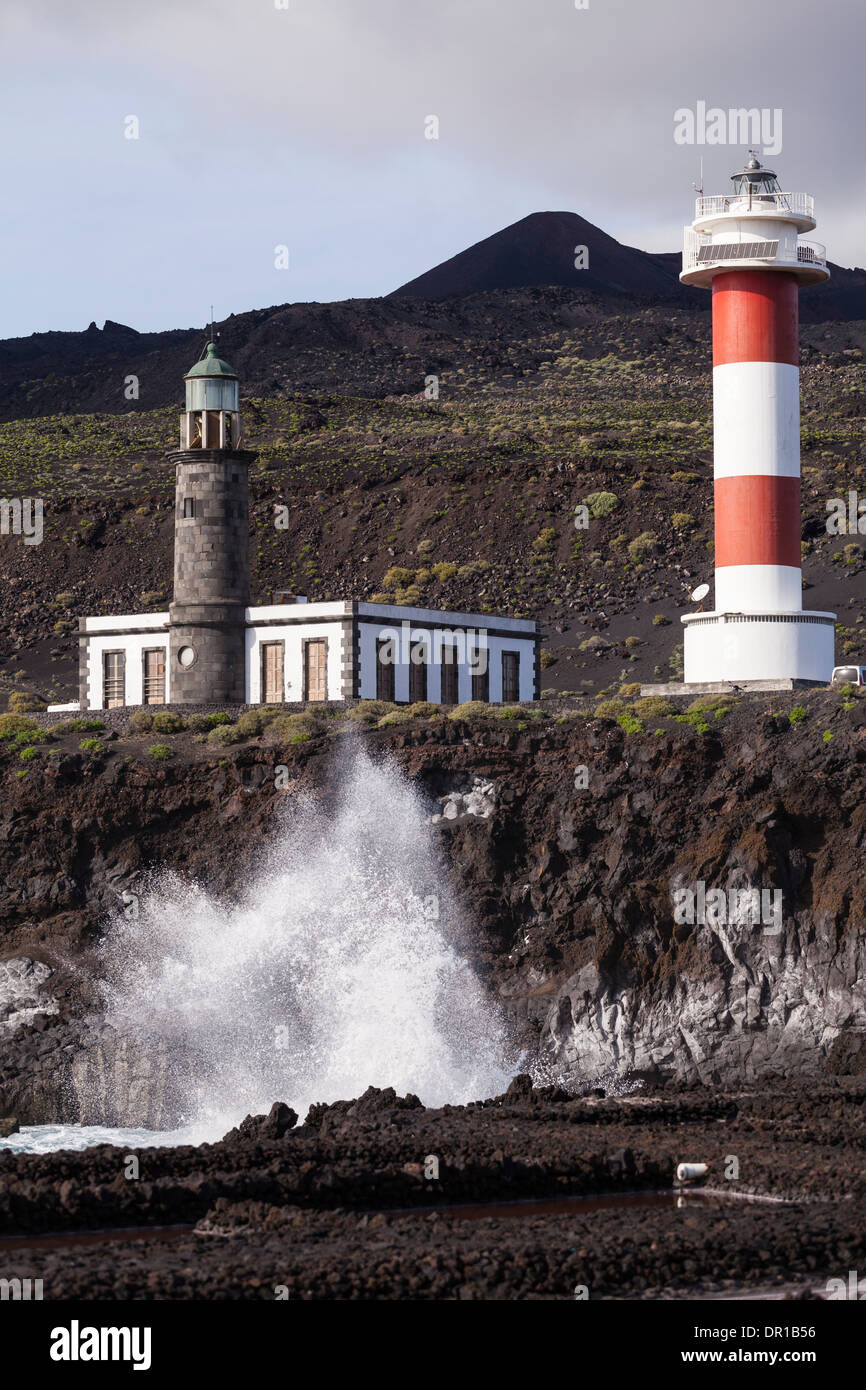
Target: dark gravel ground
[[324, 1209]]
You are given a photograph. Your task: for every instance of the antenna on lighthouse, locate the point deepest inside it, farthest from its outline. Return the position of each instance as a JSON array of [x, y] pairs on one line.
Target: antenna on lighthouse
[[699, 594], [700, 190]]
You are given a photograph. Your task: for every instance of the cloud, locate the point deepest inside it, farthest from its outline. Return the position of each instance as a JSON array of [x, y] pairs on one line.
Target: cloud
[[304, 109]]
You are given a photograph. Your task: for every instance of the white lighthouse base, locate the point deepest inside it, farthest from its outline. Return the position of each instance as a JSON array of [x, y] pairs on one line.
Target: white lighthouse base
[[739, 647]]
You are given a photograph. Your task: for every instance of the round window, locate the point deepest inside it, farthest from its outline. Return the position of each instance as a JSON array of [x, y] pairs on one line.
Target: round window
[[186, 656]]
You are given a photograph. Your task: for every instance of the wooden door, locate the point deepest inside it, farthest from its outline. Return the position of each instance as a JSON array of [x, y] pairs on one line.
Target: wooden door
[[449, 675], [385, 658], [113, 680], [316, 669], [418, 673], [510, 676], [153, 676], [481, 684], [273, 666]]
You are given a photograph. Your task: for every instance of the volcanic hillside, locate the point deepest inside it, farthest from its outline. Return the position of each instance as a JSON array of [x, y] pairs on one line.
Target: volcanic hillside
[[541, 250], [548, 396]]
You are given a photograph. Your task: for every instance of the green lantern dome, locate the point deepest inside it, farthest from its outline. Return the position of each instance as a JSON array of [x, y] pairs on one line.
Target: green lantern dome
[[211, 365]]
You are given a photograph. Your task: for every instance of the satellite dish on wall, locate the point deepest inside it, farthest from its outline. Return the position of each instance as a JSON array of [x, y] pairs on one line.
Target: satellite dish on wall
[[699, 593]]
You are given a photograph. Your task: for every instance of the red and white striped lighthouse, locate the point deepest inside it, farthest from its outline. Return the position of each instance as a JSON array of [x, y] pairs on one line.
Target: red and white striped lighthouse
[[745, 246]]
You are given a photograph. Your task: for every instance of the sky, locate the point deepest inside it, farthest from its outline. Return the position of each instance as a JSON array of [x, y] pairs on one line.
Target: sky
[[304, 124]]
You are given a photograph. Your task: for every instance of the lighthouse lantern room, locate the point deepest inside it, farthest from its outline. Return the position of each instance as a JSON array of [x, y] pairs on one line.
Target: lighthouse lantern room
[[212, 416]]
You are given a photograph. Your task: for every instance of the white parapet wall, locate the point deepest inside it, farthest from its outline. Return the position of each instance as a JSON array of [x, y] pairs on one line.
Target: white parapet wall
[[757, 647]]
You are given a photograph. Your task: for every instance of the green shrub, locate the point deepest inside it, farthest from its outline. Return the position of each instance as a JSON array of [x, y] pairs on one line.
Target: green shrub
[[203, 723], [424, 709], [471, 709], [79, 726], [141, 722], [11, 725], [642, 546], [397, 577], [425, 547], [198, 723], [601, 504], [421, 709], [610, 709], [629, 724], [91, 746], [661, 621], [629, 690], [683, 521], [408, 598], [24, 740], [370, 711], [655, 707], [545, 539], [20, 702], [27, 753], [827, 736], [593, 644], [287, 728], [709, 703], [254, 721], [64, 599], [697, 718], [547, 658], [446, 569], [160, 751], [167, 723], [222, 734], [632, 642]]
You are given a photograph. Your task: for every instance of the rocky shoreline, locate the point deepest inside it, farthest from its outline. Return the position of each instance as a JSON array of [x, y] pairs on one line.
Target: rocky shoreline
[[340, 1205], [568, 892]]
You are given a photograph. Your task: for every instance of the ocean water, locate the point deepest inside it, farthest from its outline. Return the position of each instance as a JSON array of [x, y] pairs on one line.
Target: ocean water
[[336, 969], [41, 1139]]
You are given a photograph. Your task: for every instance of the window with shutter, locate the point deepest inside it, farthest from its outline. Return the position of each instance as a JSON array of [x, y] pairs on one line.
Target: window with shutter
[[153, 676]]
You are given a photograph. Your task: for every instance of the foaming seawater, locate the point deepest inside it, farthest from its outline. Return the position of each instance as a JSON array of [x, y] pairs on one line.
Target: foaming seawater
[[44, 1139], [335, 971]]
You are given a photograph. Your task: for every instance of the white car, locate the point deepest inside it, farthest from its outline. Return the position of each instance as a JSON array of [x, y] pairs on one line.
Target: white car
[[848, 675]]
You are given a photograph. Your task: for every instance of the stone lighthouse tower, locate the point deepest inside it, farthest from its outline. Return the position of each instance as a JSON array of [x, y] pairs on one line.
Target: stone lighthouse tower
[[211, 541], [745, 247]]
